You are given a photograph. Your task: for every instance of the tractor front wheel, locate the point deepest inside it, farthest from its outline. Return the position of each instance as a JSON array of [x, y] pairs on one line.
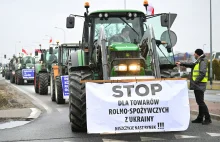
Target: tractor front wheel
[[36, 82], [19, 78], [52, 88], [59, 91], [77, 99], [43, 83], [12, 78]]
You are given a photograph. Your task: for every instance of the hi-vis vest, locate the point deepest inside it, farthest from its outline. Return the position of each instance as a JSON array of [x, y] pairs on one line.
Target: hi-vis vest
[[196, 73]]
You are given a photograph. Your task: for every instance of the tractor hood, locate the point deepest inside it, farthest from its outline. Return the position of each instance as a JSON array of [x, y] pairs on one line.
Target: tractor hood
[[120, 46]]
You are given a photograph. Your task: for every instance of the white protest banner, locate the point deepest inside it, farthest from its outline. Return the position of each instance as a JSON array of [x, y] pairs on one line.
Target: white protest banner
[[151, 106]]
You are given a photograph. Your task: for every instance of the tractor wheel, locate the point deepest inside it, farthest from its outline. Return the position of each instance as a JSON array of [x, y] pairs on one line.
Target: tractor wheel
[[8, 75], [59, 91], [43, 83], [19, 78], [52, 88], [12, 78], [77, 99], [36, 82]]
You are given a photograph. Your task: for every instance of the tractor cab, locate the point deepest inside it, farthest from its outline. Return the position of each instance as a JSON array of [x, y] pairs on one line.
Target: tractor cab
[[61, 54], [132, 40]]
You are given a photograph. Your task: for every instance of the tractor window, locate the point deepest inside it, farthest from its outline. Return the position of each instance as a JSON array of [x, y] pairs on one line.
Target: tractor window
[[114, 26], [65, 55], [52, 57], [164, 56], [27, 60]]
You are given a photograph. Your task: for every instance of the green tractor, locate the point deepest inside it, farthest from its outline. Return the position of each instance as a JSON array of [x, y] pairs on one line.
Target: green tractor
[[6, 71], [59, 73], [24, 70], [118, 44], [42, 71], [12, 64]]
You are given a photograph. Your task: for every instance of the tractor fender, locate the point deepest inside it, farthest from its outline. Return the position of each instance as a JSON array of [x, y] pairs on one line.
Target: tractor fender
[[76, 61]]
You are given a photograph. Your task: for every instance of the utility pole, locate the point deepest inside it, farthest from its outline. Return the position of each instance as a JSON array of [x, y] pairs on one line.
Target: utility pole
[[210, 43]]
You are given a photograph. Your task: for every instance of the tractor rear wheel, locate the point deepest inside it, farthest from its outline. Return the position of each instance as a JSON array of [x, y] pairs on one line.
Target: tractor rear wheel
[[59, 91], [77, 99], [36, 82], [12, 78], [8, 75], [19, 78], [43, 83]]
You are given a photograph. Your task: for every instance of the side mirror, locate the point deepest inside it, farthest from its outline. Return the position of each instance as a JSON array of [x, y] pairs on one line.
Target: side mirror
[[51, 50], [36, 53], [70, 22], [170, 38], [5, 56], [168, 19]]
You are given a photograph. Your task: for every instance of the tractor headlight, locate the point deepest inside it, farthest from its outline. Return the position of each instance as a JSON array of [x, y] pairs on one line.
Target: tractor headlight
[[121, 67], [134, 67], [100, 15], [106, 15], [129, 14], [135, 14]]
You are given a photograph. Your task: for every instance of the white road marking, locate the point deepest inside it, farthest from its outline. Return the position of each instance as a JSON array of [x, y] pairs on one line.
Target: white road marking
[[45, 106], [214, 134], [35, 113], [112, 140], [150, 139], [185, 137]]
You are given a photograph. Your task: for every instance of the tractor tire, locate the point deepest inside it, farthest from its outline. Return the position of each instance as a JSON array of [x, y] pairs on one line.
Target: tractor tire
[[43, 83], [8, 75], [77, 100], [19, 78], [59, 91], [36, 84], [52, 88], [12, 78]]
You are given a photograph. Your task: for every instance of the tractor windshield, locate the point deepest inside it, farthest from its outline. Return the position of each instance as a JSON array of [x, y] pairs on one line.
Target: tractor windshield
[[119, 29], [52, 57], [28, 60], [164, 56]]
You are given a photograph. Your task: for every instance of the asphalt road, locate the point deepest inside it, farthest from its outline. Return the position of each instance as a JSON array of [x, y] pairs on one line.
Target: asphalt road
[[53, 126]]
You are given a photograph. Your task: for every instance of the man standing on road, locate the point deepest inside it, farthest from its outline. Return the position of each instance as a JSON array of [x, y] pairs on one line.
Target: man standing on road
[[198, 81]]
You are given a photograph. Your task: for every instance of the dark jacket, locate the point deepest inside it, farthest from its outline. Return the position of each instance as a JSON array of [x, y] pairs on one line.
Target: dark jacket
[[197, 84]]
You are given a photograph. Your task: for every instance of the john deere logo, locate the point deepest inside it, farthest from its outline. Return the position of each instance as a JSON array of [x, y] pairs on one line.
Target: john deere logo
[[127, 54]]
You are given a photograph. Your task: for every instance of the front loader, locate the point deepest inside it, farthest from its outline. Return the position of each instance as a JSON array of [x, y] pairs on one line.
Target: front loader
[[105, 56]]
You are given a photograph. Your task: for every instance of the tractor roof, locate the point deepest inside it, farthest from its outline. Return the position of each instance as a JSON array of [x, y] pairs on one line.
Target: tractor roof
[[69, 44], [116, 11]]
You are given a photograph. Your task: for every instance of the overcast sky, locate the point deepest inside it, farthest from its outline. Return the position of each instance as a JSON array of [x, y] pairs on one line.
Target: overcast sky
[[29, 21]]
